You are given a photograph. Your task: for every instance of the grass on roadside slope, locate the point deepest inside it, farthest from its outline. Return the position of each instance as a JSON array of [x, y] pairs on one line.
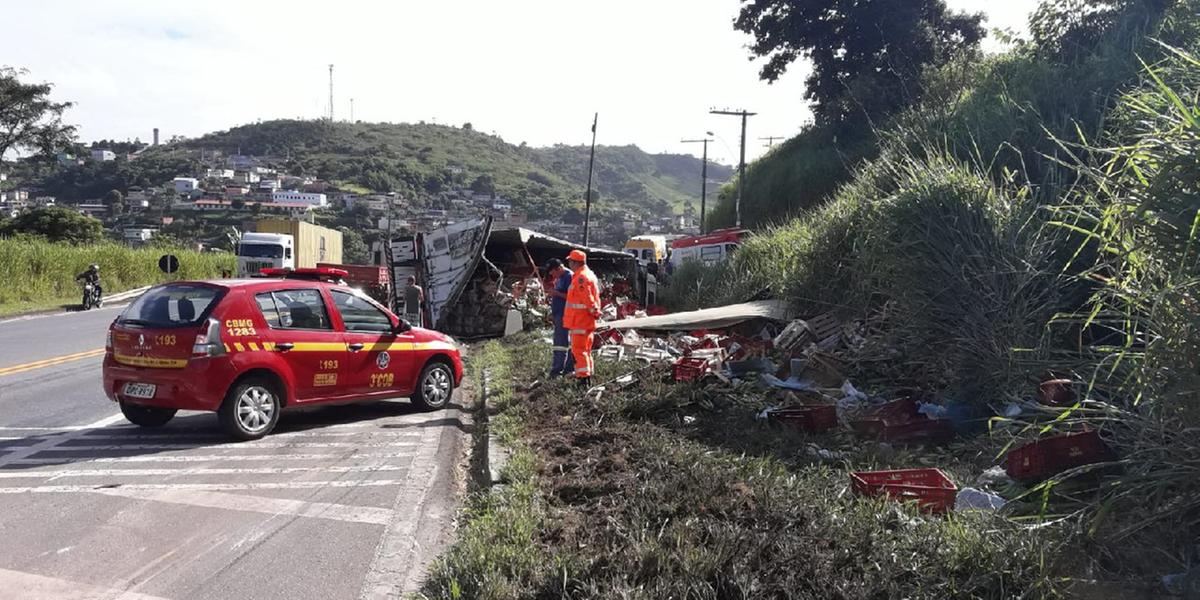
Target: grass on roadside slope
[[37, 274], [622, 499]]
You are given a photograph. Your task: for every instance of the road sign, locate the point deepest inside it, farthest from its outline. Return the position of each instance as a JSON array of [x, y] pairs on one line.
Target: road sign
[[168, 263]]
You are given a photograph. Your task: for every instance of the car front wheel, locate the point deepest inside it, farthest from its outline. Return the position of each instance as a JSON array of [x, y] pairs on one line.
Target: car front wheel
[[434, 386], [147, 416], [250, 410]]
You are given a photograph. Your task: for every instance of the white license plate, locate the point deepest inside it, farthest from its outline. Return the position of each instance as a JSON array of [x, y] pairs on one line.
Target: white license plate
[[140, 390]]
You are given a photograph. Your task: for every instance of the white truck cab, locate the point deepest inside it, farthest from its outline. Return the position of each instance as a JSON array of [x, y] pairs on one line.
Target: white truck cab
[[258, 251]]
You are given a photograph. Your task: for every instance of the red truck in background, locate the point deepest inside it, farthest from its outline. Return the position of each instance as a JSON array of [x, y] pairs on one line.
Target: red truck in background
[[372, 279]]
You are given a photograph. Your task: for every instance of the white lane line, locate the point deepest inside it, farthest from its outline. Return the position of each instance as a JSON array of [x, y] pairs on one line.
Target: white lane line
[[229, 446], [259, 504], [63, 474], [206, 487], [54, 440], [107, 434], [210, 458], [394, 570], [38, 587], [62, 429]]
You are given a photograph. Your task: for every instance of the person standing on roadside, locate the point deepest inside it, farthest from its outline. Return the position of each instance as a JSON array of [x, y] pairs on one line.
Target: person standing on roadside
[[414, 297], [582, 311], [560, 281]]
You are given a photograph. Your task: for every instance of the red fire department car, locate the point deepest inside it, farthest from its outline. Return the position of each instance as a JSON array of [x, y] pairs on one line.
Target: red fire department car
[[249, 348]]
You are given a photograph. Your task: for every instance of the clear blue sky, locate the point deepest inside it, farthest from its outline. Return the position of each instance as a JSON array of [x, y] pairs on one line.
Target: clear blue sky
[[529, 70]]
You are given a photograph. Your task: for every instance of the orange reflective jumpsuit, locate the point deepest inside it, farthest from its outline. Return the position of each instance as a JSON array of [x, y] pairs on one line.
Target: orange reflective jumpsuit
[[583, 308]]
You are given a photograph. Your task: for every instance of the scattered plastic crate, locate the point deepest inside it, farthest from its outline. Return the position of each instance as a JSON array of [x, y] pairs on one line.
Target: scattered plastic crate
[[609, 337], [813, 419], [1053, 455], [690, 369], [914, 431], [930, 488]]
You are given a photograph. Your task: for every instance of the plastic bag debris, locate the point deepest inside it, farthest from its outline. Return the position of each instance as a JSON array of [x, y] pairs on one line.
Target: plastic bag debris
[[933, 411], [976, 499]]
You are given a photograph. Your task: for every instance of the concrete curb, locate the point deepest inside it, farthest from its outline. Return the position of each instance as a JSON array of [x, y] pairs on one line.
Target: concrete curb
[[495, 454]]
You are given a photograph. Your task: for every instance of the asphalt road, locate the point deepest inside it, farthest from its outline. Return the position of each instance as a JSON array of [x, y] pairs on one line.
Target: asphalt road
[[340, 502]]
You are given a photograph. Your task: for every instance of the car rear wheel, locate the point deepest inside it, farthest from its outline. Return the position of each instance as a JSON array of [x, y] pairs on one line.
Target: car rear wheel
[[434, 386], [147, 416], [250, 410]]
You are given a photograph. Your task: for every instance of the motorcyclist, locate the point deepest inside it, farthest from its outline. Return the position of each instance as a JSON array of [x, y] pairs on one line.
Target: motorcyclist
[[92, 276]]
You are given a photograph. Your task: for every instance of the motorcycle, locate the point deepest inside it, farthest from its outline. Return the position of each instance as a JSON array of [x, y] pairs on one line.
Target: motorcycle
[[91, 296]]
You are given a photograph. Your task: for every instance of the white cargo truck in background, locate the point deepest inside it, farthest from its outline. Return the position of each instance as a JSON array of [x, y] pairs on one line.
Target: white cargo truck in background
[[283, 244]]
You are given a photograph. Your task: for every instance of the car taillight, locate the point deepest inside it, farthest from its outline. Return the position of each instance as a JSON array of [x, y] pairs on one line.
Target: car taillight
[[209, 343], [108, 341]]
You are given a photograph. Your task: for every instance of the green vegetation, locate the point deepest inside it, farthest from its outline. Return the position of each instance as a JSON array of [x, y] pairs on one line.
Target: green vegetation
[[40, 274], [1035, 215], [55, 224], [625, 497]]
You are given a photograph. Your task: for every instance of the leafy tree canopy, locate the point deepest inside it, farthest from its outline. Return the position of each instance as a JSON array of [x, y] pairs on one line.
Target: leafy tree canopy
[[29, 120], [57, 224], [867, 55]]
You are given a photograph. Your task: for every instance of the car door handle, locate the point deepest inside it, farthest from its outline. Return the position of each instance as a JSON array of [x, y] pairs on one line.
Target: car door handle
[[355, 347], [284, 346]]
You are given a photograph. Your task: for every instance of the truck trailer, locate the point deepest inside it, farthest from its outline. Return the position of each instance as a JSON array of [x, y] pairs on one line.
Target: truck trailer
[[287, 244]]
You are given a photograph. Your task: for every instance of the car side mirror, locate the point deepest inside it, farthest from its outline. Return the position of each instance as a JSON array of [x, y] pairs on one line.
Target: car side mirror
[[401, 327]]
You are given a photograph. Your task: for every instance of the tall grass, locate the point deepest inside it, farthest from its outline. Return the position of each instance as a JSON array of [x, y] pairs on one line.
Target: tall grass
[[35, 271]]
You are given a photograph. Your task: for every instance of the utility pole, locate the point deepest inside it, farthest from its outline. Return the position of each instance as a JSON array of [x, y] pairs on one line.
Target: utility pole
[[352, 110], [703, 175], [741, 160], [771, 139], [330, 93], [587, 206]]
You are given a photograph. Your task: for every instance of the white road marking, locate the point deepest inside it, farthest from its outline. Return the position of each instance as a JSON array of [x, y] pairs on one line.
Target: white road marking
[[393, 570], [208, 458], [54, 440], [63, 474], [206, 487], [228, 446], [259, 504], [29, 586], [194, 434]]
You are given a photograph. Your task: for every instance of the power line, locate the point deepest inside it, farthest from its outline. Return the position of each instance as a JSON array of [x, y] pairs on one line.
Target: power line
[[741, 160]]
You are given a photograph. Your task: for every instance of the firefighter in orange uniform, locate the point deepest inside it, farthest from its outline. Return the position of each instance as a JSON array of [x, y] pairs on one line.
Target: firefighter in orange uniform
[[583, 309]]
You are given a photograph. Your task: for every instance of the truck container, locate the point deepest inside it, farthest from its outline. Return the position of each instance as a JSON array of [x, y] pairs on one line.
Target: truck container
[[309, 244]]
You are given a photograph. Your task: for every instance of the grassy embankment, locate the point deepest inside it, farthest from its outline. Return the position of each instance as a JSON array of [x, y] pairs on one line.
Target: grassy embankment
[[36, 275], [671, 491]]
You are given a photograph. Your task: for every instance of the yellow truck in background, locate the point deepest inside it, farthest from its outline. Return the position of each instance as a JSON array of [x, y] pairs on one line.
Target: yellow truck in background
[[647, 248], [287, 244]]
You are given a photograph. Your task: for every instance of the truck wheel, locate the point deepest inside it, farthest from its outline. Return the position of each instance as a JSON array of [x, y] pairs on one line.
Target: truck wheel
[[250, 410], [147, 416], [434, 386]]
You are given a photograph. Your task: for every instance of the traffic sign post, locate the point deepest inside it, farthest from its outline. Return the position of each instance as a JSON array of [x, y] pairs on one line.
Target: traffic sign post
[[168, 263]]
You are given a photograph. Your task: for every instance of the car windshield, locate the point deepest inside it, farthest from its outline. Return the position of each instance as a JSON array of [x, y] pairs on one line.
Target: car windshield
[[171, 306], [261, 250]]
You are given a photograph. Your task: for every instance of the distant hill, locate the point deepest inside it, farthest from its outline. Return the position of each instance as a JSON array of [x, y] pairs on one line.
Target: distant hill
[[423, 159]]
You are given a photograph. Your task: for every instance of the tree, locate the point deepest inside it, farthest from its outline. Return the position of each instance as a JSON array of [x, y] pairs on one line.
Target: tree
[[468, 127], [877, 49], [238, 203], [1072, 28], [484, 185], [57, 224], [29, 120], [354, 249], [115, 201]]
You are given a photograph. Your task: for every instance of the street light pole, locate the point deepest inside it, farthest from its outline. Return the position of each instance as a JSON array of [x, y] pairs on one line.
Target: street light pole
[[587, 207], [703, 175], [741, 161]]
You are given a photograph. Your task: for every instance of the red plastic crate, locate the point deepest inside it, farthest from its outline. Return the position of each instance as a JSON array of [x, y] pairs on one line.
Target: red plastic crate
[[690, 369], [1041, 459], [930, 488], [808, 418], [609, 337]]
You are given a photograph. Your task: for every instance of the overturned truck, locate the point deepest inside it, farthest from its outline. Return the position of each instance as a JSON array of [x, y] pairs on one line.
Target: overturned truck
[[477, 279]]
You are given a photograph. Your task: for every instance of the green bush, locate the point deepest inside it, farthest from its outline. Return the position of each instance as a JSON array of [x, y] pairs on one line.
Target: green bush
[[38, 271]]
